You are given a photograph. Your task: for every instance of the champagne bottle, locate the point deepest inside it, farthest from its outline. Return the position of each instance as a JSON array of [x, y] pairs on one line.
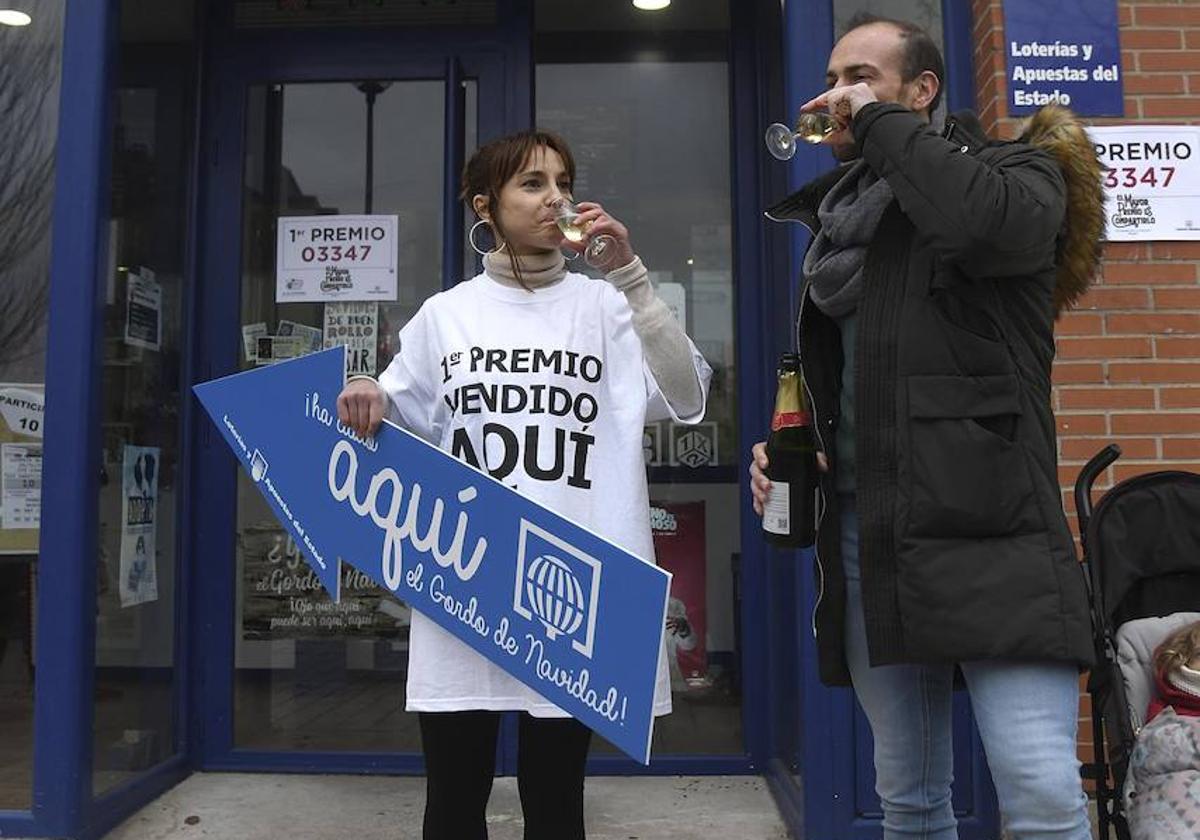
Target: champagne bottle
[[789, 517]]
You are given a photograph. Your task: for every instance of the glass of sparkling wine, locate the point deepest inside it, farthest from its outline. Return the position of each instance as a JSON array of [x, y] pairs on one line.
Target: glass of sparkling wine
[[566, 214], [812, 127]]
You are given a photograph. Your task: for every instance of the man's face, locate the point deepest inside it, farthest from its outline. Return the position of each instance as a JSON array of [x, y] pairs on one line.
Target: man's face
[[874, 55]]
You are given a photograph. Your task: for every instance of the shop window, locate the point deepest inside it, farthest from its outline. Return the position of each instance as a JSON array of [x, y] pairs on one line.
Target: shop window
[[30, 59], [643, 100]]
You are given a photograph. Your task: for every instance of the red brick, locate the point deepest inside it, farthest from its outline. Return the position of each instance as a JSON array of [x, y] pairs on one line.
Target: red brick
[[1179, 397], [1170, 108], [1079, 323], [1142, 83], [1151, 39], [983, 21], [1104, 348], [1167, 15], [1180, 423], [1106, 398], [1176, 251], [1177, 348], [1179, 60], [1129, 62], [1177, 298], [1082, 449], [1182, 372], [1181, 448], [1067, 473], [1126, 251], [1191, 39], [1149, 273], [1133, 107], [1156, 323], [1082, 424], [1110, 297], [989, 91], [1077, 373]]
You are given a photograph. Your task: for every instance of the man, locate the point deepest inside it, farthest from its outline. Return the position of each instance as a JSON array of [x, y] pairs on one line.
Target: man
[[938, 264]]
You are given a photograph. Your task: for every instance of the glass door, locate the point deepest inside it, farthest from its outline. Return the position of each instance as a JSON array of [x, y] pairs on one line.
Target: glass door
[[290, 678], [368, 147]]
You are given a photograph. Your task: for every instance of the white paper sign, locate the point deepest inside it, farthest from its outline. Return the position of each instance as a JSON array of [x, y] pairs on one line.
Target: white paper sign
[[336, 258], [143, 311], [1151, 181], [311, 338], [24, 411], [139, 517], [20, 485], [250, 335], [356, 326]]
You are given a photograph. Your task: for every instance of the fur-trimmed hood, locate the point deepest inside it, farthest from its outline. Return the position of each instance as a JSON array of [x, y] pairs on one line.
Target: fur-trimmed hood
[[1056, 130]]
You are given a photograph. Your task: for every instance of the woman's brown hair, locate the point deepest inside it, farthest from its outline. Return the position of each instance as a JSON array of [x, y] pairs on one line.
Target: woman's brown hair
[[1178, 649], [492, 165]]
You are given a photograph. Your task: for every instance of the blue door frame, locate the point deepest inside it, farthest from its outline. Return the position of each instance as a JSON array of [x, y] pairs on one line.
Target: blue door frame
[[500, 59]]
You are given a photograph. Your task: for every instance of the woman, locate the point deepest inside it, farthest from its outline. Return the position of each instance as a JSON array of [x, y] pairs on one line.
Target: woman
[[543, 378]]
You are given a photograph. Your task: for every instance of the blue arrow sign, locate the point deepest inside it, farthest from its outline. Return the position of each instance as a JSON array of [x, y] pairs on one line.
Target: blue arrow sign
[[569, 614]]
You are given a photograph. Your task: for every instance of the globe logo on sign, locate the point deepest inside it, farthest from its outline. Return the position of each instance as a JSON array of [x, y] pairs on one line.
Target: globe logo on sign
[[557, 586], [554, 595]]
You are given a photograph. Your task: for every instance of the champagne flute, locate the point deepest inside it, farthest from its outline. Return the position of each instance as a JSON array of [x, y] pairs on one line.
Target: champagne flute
[[812, 127], [566, 215]]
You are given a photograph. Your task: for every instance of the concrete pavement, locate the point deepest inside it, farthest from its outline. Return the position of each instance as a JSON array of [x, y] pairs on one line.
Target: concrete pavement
[[235, 806]]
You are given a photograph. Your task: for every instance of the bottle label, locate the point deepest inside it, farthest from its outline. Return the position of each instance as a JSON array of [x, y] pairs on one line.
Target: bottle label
[[790, 419], [777, 517]]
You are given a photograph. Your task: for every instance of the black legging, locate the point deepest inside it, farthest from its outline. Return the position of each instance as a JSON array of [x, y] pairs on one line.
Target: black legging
[[460, 760]]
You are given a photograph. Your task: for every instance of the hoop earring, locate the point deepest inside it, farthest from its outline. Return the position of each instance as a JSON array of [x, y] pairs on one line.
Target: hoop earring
[[476, 248]]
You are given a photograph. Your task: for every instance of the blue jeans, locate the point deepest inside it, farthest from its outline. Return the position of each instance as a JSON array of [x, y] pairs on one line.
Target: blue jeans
[[1027, 713]]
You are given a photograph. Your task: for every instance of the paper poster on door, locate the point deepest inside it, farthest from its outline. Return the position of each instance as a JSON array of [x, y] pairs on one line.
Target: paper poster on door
[[354, 326], [336, 258], [680, 547], [143, 311], [22, 418], [282, 598], [21, 482], [138, 581]]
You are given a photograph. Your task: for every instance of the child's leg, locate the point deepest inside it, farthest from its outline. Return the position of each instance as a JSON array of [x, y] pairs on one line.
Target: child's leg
[[460, 761], [550, 765]]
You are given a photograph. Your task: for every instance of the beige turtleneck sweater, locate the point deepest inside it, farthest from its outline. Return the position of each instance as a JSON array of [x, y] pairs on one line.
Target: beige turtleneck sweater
[[664, 343]]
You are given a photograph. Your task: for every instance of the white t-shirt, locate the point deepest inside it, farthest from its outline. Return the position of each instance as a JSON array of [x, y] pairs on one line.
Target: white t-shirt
[[548, 391]]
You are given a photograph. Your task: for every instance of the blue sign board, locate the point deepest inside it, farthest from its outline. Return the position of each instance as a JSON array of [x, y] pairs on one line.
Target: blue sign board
[[1068, 52], [572, 616]]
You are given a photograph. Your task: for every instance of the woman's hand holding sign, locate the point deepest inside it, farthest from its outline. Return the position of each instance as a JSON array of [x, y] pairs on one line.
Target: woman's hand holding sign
[[361, 406]]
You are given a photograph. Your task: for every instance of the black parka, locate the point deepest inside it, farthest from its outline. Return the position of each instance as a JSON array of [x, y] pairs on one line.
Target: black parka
[[964, 549]]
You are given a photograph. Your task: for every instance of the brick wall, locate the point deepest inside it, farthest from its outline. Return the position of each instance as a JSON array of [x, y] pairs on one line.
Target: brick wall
[[1128, 368]]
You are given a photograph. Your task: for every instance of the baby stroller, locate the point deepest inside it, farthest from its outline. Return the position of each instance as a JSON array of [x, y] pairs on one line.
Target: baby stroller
[[1141, 553]]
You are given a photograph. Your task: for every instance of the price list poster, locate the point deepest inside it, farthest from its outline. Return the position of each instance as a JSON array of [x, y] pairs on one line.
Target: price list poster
[[22, 416]]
